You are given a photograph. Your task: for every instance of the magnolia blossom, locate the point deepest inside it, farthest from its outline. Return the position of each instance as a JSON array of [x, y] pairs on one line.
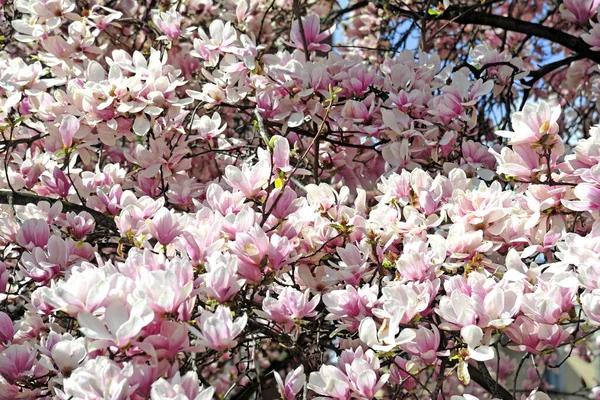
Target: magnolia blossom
[[291, 305], [98, 378], [331, 382], [384, 338], [312, 36], [184, 184], [180, 387], [294, 382], [218, 330], [121, 323]]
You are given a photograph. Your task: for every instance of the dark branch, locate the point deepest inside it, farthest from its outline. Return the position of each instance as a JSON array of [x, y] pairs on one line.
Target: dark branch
[[23, 199], [479, 378], [468, 16]]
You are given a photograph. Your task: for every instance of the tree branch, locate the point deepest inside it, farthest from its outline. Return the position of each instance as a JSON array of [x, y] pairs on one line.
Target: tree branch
[[479, 378], [468, 16], [23, 199]]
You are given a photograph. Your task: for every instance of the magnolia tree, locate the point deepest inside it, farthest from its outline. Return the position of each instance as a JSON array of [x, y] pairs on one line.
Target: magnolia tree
[[298, 199]]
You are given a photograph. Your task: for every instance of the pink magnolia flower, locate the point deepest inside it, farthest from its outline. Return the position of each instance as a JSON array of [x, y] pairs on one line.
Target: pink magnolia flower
[[520, 162], [218, 330], [166, 290], [364, 376], [312, 35], [458, 309], [593, 37], [169, 23], [68, 128], [33, 233], [424, 345], [252, 250], [57, 183], [7, 330], [590, 303], [209, 127], [87, 289], [589, 198], [331, 382], [69, 354], [533, 123], [500, 305], [533, 337], [290, 306], [220, 281], [353, 268], [384, 338], [122, 323], [41, 265], [294, 382], [351, 306], [17, 360], [248, 180], [4, 275], [164, 226], [179, 387], [579, 11], [170, 340], [472, 335], [99, 378], [281, 154], [81, 224]]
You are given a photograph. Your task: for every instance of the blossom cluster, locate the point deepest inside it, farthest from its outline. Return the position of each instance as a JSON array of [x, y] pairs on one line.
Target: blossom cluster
[[200, 204]]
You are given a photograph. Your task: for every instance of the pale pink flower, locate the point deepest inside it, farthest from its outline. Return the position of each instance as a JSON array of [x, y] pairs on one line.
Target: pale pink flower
[[68, 128], [80, 224], [530, 336], [164, 226], [69, 354], [589, 198], [86, 289], [208, 127], [122, 323], [424, 345], [593, 37], [170, 340], [331, 382], [57, 183], [590, 303], [7, 330], [363, 374], [166, 290], [458, 309], [17, 360], [579, 11], [290, 306], [252, 250], [218, 330], [351, 306], [294, 382], [221, 281], [99, 378], [169, 23], [353, 268], [472, 335], [179, 387], [248, 180], [500, 306], [33, 233], [312, 34], [387, 337], [534, 123], [41, 265]]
